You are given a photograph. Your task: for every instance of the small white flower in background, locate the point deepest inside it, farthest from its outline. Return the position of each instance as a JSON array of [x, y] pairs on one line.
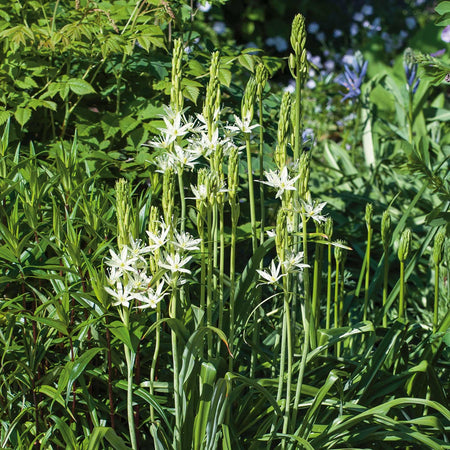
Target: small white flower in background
[[311, 84], [367, 10], [358, 17], [242, 125], [278, 42], [185, 242], [410, 23], [290, 87], [158, 240], [273, 275], [175, 264], [313, 211], [445, 35], [152, 297], [271, 233], [280, 180], [313, 27], [219, 28], [204, 7], [122, 263], [292, 262], [123, 295]]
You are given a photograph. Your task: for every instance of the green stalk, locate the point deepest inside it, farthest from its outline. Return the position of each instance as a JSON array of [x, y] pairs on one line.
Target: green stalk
[[401, 308], [336, 305], [176, 371], [202, 274], [385, 286], [329, 270], [182, 200], [287, 318], [129, 358], [306, 318], [436, 298], [251, 192], [209, 287], [221, 269], [234, 219], [155, 358], [367, 278]]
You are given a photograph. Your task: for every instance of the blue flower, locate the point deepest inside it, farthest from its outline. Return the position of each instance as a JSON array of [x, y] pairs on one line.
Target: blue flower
[[352, 79], [411, 73]]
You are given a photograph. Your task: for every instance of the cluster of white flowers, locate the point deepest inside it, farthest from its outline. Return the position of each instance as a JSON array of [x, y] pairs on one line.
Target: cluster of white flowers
[[291, 264], [186, 140], [129, 278]]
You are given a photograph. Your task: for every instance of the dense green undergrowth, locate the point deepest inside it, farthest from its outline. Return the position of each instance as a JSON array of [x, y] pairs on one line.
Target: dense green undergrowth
[[192, 258]]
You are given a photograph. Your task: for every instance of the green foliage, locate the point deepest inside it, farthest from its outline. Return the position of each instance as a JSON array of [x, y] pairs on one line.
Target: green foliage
[[227, 359]]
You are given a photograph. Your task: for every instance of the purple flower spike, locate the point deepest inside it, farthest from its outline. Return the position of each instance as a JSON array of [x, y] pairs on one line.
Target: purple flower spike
[[352, 79]]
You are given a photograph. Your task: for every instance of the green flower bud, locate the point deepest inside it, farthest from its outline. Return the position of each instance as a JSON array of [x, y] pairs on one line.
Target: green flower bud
[[386, 230], [248, 99], [261, 77], [298, 34], [168, 195], [340, 253], [280, 233], [304, 172], [212, 99], [123, 212], [233, 174], [176, 95], [404, 246], [282, 132], [369, 214], [438, 248]]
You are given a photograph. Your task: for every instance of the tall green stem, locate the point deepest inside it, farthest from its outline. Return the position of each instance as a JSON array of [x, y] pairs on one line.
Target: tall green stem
[[436, 298], [129, 359], [251, 192], [385, 286], [367, 279], [401, 309]]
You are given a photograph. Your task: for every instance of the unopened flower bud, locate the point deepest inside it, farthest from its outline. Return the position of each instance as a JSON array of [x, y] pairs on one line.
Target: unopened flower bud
[[404, 246], [386, 230], [438, 248]]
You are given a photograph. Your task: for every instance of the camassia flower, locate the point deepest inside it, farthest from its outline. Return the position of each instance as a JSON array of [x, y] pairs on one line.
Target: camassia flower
[[273, 275], [280, 180], [123, 295], [352, 79]]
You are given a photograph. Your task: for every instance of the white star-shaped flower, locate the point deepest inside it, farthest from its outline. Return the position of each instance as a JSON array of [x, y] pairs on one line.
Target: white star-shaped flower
[[280, 180], [272, 276]]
